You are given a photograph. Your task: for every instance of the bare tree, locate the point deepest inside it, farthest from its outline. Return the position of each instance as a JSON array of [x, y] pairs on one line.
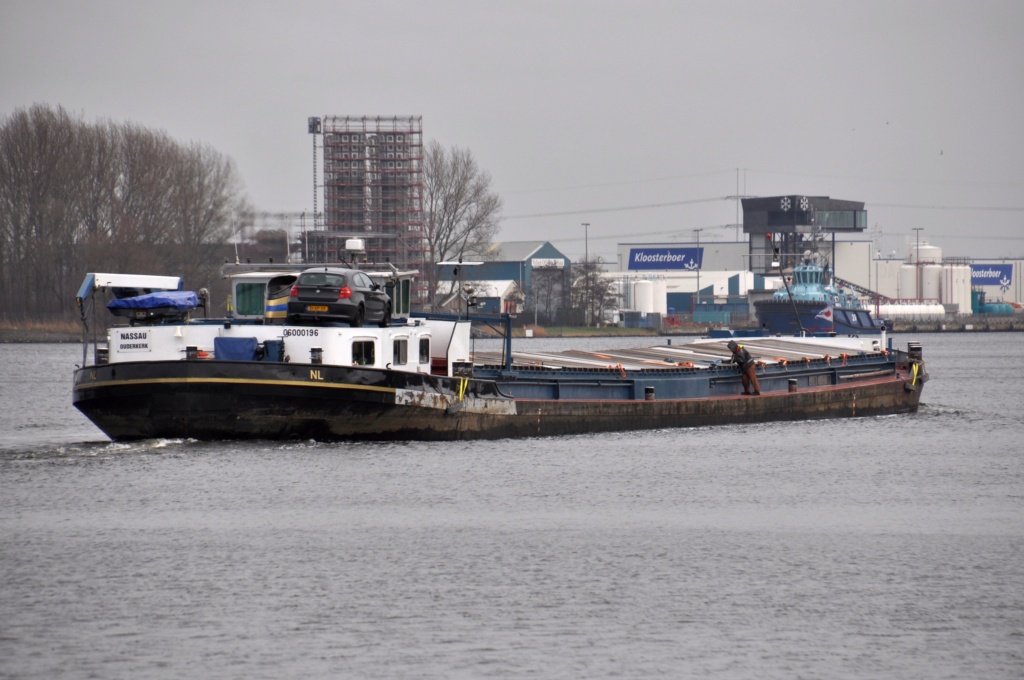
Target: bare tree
[[142, 221], [204, 197], [461, 211], [40, 175], [77, 197], [548, 293], [97, 202], [592, 293]]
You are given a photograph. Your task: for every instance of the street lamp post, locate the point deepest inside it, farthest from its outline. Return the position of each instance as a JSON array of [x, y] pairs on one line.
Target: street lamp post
[[586, 274], [697, 232], [877, 288]]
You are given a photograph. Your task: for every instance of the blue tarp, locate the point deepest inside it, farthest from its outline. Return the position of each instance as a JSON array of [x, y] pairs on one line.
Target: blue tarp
[[235, 349], [182, 300], [118, 283]]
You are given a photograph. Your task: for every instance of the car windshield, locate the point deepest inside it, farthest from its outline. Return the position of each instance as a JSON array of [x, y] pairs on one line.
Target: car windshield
[[322, 279]]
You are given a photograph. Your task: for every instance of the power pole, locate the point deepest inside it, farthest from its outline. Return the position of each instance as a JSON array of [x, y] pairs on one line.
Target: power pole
[[697, 232], [586, 274]]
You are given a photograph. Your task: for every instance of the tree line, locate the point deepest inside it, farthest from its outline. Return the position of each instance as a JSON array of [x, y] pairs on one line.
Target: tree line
[[78, 197]]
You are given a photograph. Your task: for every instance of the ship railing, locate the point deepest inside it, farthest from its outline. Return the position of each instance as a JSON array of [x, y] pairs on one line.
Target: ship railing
[[501, 324]]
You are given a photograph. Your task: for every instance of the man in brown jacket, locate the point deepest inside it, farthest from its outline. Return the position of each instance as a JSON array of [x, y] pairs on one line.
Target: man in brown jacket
[[748, 367]]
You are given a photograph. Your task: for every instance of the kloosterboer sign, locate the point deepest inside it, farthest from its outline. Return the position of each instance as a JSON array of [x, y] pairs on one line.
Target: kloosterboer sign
[[665, 258], [991, 274]]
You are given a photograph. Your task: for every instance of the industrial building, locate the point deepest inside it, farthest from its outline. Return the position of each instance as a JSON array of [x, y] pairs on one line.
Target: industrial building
[[515, 276], [715, 282]]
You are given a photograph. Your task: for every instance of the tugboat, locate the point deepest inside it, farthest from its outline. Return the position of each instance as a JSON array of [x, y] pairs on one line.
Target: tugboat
[[813, 305]]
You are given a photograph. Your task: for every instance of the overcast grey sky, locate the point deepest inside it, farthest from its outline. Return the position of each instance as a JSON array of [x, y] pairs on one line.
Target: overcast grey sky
[[632, 116]]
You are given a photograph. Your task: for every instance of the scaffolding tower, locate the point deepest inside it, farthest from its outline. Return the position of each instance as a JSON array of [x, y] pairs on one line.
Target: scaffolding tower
[[373, 190]]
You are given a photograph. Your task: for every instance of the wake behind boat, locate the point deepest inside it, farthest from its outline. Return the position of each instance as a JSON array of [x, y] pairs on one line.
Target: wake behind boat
[[163, 373]]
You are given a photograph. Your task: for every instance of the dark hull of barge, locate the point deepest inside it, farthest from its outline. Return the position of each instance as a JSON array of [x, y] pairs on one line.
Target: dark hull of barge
[[215, 400]]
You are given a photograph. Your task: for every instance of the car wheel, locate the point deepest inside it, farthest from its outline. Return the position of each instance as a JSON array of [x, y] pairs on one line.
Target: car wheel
[[385, 320], [357, 320]]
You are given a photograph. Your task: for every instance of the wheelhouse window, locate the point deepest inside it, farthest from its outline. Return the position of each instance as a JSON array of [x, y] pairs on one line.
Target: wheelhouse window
[[424, 350], [400, 352], [250, 298], [363, 352], [841, 220]]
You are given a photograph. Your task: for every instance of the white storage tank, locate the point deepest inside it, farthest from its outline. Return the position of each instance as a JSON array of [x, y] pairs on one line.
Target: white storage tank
[[661, 296], [949, 285], [965, 290], [888, 312], [956, 287], [912, 312], [643, 296], [927, 253], [931, 282], [908, 282], [624, 290]]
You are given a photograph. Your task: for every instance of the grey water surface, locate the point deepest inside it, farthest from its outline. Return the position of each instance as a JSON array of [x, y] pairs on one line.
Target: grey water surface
[[888, 547]]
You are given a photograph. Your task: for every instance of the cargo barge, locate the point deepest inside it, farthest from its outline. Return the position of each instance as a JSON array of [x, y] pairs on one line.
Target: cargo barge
[[164, 374]]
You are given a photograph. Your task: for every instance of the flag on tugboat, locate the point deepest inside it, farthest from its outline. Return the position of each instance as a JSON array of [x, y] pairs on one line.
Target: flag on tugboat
[[825, 314]]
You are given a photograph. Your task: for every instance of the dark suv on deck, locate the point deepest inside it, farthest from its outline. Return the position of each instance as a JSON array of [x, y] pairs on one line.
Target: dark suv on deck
[[335, 294]]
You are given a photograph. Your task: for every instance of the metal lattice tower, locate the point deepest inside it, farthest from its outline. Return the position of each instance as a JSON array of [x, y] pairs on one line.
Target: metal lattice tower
[[373, 189]]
